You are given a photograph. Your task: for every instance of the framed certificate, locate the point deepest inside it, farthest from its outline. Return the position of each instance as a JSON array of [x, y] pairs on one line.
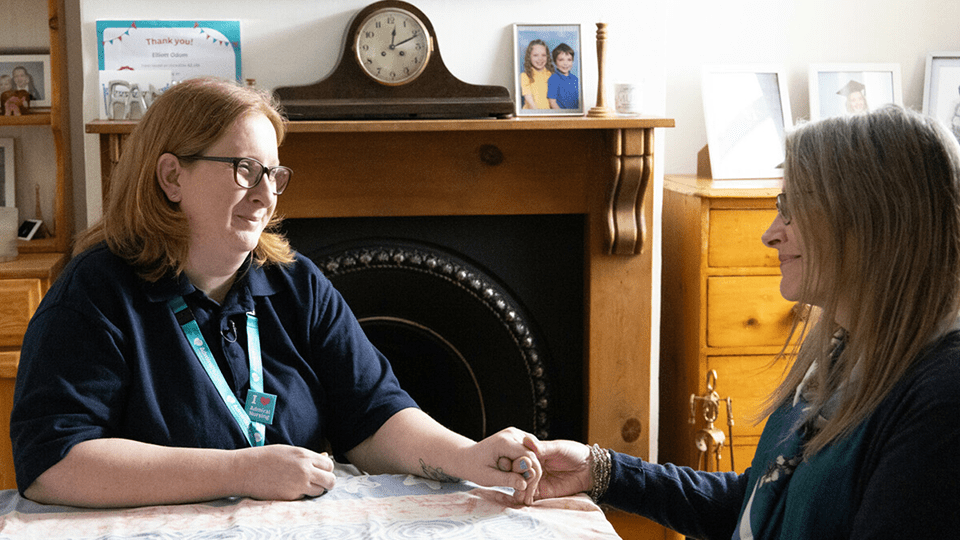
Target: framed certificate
[[185, 48]]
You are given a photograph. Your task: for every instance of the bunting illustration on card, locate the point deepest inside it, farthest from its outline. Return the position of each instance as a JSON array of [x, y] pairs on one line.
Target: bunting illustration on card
[[184, 48]]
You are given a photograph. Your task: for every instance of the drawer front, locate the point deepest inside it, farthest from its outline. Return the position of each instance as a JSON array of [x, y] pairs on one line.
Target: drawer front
[[747, 311], [748, 381], [19, 298], [734, 238]]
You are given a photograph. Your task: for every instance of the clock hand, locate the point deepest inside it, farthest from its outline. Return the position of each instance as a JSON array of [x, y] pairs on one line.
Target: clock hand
[[393, 36], [406, 40]]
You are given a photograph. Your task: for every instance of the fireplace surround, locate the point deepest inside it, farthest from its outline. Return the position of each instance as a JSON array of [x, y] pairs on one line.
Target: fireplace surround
[[598, 169]]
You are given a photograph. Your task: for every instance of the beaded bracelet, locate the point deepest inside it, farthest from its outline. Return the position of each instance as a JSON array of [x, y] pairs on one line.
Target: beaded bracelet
[[601, 472]]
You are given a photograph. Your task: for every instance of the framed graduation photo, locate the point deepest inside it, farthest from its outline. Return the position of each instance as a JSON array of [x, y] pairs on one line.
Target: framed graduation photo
[[547, 70], [842, 89]]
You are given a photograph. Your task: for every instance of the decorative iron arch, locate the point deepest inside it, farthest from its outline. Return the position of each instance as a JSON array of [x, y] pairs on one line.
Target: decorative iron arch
[[443, 321]]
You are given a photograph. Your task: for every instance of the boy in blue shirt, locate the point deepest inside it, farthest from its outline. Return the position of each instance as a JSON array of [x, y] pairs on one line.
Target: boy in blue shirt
[[563, 87]]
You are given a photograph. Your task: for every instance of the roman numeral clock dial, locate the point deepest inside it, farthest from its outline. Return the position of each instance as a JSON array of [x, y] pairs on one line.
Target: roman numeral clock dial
[[393, 46]]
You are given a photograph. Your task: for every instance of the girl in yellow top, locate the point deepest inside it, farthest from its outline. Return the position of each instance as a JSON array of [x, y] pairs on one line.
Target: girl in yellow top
[[537, 69]]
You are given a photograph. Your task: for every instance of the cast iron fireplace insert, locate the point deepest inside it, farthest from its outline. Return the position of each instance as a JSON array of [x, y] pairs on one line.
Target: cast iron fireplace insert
[[480, 316]]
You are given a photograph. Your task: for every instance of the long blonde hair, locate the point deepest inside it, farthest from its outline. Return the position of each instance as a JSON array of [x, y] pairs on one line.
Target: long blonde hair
[[139, 223], [528, 58], [876, 198]]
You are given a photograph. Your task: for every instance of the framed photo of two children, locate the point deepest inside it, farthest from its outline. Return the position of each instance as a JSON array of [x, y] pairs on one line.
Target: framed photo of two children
[[547, 69]]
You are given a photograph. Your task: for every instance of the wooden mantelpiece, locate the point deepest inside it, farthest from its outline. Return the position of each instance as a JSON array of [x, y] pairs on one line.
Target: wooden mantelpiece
[[629, 144], [600, 168]]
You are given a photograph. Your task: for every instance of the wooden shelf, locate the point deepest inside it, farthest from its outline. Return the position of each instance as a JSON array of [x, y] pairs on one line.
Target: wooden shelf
[[43, 266], [56, 120], [478, 124], [39, 117], [40, 245]]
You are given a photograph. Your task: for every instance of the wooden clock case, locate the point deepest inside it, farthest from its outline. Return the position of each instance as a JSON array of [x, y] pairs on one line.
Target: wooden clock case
[[349, 93]]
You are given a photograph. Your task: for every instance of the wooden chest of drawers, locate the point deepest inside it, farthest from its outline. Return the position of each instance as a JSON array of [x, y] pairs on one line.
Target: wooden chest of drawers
[[23, 282], [721, 310]]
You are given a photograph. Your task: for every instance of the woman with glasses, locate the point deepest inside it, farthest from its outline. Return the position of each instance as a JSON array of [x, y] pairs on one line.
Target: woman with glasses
[[862, 436], [187, 353]]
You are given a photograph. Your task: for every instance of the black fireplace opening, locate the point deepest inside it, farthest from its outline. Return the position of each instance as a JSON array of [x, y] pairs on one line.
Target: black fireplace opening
[[481, 317]]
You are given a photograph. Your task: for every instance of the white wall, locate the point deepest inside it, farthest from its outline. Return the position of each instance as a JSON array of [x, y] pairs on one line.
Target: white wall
[[793, 34]]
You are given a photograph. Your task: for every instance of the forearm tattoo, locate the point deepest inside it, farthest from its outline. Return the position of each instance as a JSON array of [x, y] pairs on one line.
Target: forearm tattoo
[[436, 473]]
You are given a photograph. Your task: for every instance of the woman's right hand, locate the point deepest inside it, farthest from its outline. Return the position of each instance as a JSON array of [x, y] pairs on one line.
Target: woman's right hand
[[283, 473], [122, 473]]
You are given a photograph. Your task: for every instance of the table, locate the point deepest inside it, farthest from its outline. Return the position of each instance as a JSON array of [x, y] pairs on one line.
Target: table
[[359, 507]]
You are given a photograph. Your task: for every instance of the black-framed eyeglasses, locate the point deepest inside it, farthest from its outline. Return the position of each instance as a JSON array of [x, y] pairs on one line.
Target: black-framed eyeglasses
[[247, 172], [782, 208]]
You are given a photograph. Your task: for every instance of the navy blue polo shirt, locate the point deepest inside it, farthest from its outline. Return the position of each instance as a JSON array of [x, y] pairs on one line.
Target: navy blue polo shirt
[[104, 356]]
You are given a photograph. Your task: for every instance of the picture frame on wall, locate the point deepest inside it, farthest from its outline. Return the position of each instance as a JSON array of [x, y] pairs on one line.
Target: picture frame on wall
[[941, 89], [747, 114], [30, 72], [541, 54], [8, 188], [843, 89]]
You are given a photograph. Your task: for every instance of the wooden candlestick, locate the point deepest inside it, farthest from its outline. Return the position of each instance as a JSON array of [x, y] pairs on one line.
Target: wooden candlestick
[[601, 110]]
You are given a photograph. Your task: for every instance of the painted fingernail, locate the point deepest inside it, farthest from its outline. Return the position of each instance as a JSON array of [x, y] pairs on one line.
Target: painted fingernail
[[526, 475], [523, 464]]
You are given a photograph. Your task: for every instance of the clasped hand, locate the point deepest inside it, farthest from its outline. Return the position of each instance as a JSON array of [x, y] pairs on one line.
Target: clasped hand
[[510, 458], [541, 469]]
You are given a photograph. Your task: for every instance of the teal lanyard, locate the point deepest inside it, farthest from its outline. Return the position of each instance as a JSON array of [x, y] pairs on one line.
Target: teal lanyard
[[255, 431]]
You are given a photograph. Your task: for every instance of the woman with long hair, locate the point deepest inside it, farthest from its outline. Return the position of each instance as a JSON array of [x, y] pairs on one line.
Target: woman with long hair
[[862, 435]]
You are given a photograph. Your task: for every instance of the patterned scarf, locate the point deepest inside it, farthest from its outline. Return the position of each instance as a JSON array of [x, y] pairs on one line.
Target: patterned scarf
[[763, 512]]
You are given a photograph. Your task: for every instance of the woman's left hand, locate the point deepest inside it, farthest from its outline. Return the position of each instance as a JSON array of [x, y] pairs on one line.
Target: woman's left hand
[[506, 461], [411, 442]]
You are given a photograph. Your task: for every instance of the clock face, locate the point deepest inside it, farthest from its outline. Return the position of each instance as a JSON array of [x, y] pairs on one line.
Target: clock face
[[393, 46]]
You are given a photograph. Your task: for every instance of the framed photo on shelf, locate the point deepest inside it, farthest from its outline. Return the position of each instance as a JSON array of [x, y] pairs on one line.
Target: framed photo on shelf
[[941, 89], [29, 228], [841, 89], [8, 188], [747, 114], [30, 72], [547, 70]]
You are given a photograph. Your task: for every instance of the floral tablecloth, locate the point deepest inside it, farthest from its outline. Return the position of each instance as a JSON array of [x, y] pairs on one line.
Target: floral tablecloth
[[359, 507]]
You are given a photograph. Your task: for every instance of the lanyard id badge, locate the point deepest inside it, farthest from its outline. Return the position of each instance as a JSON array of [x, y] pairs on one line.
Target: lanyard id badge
[[260, 406]]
